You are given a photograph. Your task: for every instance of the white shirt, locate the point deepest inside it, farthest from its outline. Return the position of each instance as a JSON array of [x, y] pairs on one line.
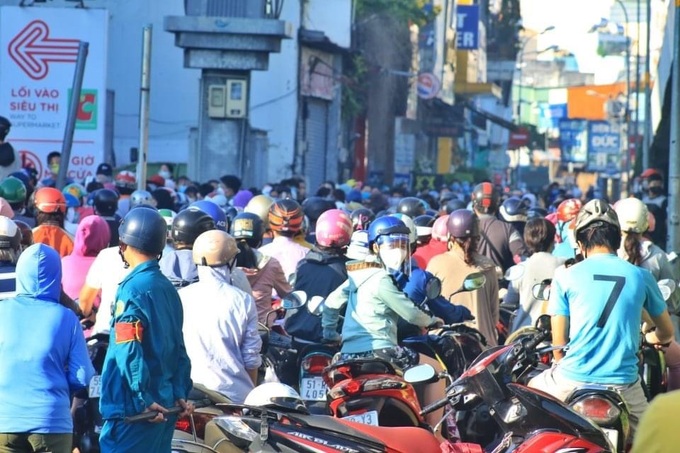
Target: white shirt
[[106, 273], [220, 333]]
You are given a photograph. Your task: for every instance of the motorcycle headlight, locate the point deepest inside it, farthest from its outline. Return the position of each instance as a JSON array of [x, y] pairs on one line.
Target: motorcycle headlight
[[600, 410], [236, 427]]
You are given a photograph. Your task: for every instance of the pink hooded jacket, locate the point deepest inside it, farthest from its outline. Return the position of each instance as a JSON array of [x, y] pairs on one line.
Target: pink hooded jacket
[[91, 237]]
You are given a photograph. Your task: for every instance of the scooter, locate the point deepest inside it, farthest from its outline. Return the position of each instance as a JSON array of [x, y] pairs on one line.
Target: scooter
[[526, 419]]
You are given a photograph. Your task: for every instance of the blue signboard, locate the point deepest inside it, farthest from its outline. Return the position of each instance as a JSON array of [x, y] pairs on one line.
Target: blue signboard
[[604, 147], [573, 142], [467, 27]]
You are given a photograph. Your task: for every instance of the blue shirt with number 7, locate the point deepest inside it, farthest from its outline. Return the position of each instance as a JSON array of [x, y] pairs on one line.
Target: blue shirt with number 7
[[603, 296]]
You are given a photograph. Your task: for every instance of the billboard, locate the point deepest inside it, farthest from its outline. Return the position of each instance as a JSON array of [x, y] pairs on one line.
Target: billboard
[[604, 147], [38, 52], [573, 142]]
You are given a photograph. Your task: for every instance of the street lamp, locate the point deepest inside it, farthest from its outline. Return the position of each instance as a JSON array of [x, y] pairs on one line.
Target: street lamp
[[520, 64]]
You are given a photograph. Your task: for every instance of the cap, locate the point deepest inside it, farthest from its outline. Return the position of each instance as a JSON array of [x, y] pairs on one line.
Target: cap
[[105, 169], [157, 179]]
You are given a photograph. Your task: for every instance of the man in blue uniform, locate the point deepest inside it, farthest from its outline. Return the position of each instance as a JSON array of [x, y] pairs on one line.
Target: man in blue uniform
[[146, 366]]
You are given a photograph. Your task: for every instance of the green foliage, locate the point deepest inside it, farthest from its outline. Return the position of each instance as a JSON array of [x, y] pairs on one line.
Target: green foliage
[[354, 90], [412, 11]]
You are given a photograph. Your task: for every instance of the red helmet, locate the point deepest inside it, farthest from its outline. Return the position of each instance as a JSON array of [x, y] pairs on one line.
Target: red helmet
[[333, 228], [651, 172], [440, 230], [568, 209], [485, 198], [49, 199]]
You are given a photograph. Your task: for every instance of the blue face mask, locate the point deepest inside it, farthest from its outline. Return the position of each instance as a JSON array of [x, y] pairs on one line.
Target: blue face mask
[[182, 188]]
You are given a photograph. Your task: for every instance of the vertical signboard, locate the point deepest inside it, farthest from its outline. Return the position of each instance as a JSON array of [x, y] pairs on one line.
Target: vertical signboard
[[573, 143], [604, 147], [467, 27], [38, 51]]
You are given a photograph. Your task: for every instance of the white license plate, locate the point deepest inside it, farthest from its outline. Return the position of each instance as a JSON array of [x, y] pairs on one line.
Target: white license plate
[[367, 418], [313, 389], [95, 388], [613, 436]]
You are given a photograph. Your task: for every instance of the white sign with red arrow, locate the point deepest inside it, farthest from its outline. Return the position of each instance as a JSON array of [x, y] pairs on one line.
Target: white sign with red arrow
[[38, 52]]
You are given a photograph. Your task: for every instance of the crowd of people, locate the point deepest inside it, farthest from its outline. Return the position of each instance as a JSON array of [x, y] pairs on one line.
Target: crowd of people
[[175, 269]]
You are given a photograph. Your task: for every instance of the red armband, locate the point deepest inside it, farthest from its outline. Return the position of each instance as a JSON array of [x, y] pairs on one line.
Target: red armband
[[128, 331]]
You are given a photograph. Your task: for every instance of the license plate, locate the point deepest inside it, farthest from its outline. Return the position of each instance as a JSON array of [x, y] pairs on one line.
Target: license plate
[[313, 389], [613, 436], [95, 388], [367, 418]]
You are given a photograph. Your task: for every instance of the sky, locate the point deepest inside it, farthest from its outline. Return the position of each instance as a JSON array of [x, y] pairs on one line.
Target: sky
[[572, 19]]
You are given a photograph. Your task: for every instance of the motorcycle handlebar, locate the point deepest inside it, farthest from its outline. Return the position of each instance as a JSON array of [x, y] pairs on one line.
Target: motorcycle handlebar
[[434, 406], [152, 414]]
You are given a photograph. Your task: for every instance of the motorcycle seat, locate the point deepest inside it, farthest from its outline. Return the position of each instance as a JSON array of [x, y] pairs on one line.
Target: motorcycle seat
[[401, 439]]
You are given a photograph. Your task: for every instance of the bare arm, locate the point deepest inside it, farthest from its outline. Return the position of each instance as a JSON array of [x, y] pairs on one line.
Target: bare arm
[[560, 334], [664, 328], [87, 297], [253, 375]]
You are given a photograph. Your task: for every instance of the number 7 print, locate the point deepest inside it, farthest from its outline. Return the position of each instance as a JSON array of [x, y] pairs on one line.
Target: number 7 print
[[619, 283]]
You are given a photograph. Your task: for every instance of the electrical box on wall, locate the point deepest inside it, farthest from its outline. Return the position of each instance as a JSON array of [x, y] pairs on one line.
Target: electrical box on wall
[[216, 101], [237, 98]]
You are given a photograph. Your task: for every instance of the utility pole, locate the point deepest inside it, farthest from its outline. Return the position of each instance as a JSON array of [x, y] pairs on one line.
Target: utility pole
[[673, 242], [144, 100], [647, 138]]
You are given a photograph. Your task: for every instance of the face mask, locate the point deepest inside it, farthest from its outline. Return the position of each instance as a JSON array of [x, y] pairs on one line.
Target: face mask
[[220, 191], [71, 215], [655, 190], [392, 258], [164, 174], [182, 188], [54, 168]]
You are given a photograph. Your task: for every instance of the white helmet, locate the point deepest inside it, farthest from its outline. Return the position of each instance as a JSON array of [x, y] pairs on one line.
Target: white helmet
[[358, 245], [140, 197], [410, 224], [10, 235], [633, 215], [275, 395]]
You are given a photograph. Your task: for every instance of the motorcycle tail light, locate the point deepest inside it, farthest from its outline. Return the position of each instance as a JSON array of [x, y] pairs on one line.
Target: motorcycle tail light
[[184, 424], [315, 364], [199, 422], [599, 410], [352, 388]]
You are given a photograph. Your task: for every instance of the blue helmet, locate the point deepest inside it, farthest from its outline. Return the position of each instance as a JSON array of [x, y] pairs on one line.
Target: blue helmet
[[144, 229], [384, 226], [214, 211], [71, 201]]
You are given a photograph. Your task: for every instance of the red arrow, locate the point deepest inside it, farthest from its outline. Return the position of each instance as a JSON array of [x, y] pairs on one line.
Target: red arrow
[[32, 49]]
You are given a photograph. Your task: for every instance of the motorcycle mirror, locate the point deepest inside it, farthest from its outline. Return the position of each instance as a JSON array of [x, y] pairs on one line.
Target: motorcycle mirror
[[315, 305], [291, 279], [474, 281], [433, 288], [543, 323], [294, 300], [667, 287], [541, 291], [419, 373], [514, 273]]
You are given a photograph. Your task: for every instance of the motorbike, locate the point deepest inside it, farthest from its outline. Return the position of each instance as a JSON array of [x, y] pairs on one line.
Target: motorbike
[[373, 391], [525, 419]]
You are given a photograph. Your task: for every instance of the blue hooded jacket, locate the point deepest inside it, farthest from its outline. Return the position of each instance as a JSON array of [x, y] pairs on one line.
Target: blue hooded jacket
[[42, 349]]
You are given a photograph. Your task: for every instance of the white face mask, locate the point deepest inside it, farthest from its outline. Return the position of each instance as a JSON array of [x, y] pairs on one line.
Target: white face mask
[[392, 258], [165, 174], [71, 215]]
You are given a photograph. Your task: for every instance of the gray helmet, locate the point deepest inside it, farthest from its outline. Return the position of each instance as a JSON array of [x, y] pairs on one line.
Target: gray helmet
[[144, 229], [596, 210], [140, 197], [463, 223]]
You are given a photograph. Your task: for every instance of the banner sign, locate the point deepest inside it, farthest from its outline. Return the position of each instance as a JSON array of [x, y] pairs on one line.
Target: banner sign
[[604, 147], [467, 27], [573, 143], [38, 52]]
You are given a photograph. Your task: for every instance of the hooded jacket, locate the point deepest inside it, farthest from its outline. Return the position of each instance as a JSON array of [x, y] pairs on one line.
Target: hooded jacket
[[42, 349], [91, 238], [220, 333], [374, 305]]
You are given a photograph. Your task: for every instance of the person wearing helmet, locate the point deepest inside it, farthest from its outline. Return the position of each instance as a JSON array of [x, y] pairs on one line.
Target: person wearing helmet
[[105, 204], [50, 206], [411, 206], [168, 215], [436, 246], [140, 197], [313, 207], [321, 271], [514, 211], [92, 236], [358, 246], [26, 233], [264, 273], [655, 198], [10, 249], [44, 358], [259, 205], [285, 220], [178, 265], [453, 205], [424, 225], [539, 237], [463, 259], [9, 158], [567, 211], [214, 211], [220, 321], [596, 308], [14, 191], [375, 303], [498, 240], [304, 233], [126, 183], [146, 367], [361, 219]]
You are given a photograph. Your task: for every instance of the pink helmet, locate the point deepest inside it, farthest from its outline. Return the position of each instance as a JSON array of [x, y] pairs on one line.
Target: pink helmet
[[333, 228], [440, 230]]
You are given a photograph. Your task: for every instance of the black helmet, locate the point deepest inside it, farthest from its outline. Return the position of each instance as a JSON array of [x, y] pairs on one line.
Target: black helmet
[[105, 202], [463, 223], [411, 206], [313, 207], [536, 212], [361, 218], [454, 205], [144, 229], [231, 212], [424, 226], [5, 126], [188, 224], [485, 198], [249, 227], [514, 209]]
